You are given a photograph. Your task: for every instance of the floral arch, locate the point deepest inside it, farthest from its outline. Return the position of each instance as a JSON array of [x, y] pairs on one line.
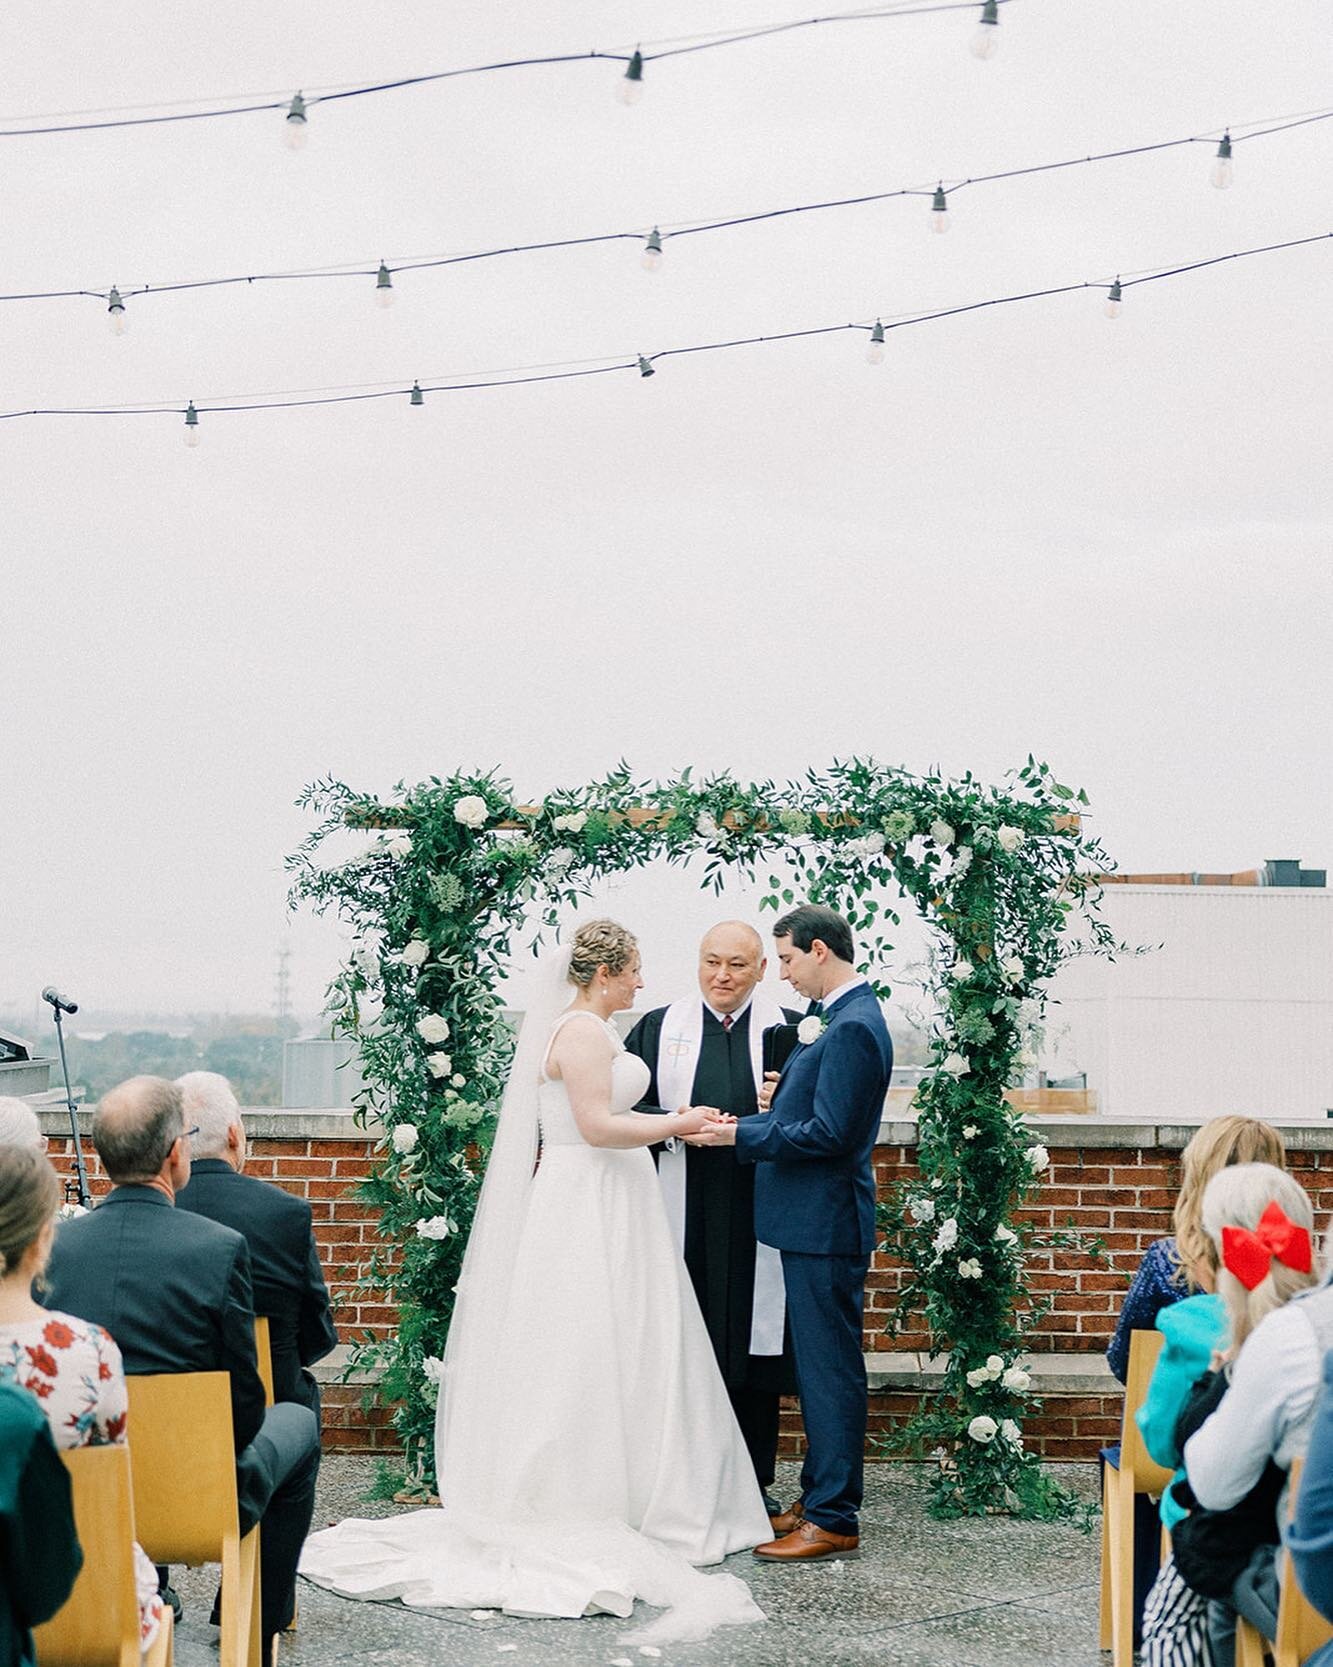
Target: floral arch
[[458, 870]]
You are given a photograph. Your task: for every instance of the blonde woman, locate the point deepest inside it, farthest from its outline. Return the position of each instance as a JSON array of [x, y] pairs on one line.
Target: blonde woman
[[1185, 1263]]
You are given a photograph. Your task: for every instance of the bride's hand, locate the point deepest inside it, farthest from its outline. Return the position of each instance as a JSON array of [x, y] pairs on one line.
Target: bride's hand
[[690, 1119]]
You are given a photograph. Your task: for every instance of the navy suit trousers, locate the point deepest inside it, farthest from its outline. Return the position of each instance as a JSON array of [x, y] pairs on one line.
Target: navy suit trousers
[[825, 1299]]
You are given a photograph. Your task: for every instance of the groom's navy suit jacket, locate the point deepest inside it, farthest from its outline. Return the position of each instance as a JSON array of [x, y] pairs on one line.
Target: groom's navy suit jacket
[[815, 1188]]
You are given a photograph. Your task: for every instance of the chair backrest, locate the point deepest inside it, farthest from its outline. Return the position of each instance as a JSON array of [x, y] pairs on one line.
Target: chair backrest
[[1301, 1629], [99, 1624], [264, 1356], [1144, 1348], [184, 1465]]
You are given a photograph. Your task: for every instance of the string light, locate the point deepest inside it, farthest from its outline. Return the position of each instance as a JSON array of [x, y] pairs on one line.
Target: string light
[[875, 347], [1113, 300], [296, 128], [939, 210], [631, 83], [416, 397], [191, 425], [383, 287], [987, 38], [115, 313], [651, 257], [645, 369], [1223, 167]]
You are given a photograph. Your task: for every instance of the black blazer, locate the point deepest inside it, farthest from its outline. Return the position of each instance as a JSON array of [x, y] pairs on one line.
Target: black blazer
[[172, 1288], [284, 1268]]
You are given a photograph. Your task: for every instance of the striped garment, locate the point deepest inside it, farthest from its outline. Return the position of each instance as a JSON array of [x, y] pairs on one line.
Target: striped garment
[[1175, 1623]]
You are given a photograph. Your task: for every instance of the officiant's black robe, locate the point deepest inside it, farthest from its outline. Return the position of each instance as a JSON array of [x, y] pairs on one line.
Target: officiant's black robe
[[719, 1221]]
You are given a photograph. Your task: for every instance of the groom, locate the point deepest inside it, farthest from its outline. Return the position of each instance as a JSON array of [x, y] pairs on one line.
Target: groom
[[815, 1200]]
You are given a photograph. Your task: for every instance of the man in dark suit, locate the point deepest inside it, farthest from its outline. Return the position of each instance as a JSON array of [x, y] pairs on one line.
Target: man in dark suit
[[173, 1289], [815, 1200], [284, 1263]]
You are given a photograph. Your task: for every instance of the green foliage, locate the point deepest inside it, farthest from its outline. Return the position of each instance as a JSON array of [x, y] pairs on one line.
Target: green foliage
[[437, 901]]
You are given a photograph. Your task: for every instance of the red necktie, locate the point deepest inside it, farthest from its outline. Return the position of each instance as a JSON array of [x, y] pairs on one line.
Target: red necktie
[[727, 1021]]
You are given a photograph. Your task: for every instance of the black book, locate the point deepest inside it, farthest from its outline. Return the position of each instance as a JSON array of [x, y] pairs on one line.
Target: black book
[[780, 1042]]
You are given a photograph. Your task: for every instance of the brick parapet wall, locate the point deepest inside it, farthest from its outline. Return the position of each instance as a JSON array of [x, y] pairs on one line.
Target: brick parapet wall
[[1114, 1182]]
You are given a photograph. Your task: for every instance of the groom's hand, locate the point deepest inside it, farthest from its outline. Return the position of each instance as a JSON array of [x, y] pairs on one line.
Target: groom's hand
[[720, 1130]]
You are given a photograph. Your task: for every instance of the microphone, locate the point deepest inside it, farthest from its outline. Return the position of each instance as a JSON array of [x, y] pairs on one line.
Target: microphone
[[59, 1002]]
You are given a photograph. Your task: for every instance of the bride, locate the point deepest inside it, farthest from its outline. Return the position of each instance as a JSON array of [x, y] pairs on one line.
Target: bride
[[586, 1452]]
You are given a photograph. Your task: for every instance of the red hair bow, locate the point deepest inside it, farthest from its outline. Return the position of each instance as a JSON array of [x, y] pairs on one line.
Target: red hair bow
[[1249, 1255]]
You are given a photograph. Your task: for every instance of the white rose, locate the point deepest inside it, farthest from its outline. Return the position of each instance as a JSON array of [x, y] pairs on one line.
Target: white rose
[[399, 846], [432, 1368], [1016, 1379], [416, 953], [458, 1080], [1003, 1235], [1039, 1158], [1025, 1059], [561, 860], [1011, 1432], [977, 1377], [405, 1138], [970, 1269], [947, 1237], [1009, 838], [1013, 969], [921, 1209], [367, 963], [869, 845], [956, 1065], [994, 1365], [435, 1227], [439, 1064], [573, 821], [983, 1429], [971, 1131], [706, 825], [962, 971], [471, 811], [433, 1028], [941, 832], [809, 1030], [962, 862]]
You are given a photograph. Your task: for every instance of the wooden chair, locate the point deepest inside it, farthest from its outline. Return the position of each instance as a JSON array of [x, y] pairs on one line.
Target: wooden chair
[[185, 1494], [99, 1624], [1137, 1474], [264, 1356], [1301, 1629]]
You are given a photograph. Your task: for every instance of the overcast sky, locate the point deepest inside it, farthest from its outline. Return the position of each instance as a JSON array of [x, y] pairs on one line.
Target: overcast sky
[[1030, 529]]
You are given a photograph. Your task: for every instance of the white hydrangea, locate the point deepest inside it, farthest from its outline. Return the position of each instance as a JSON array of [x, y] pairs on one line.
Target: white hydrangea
[[956, 1065], [1025, 1059], [962, 862], [439, 1064], [399, 846], [435, 1227], [941, 832], [1039, 1158], [970, 1269], [1011, 1432], [868, 845], [921, 1209], [471, 811], [432, 1368], [405, 1138], [1016, 1380], [1013, 969], [416, 953], [367, 962], [706, 825], [947, 1237], [433, 1027], [983, 1429], [573, 821], [561, 861], [1009, 838]]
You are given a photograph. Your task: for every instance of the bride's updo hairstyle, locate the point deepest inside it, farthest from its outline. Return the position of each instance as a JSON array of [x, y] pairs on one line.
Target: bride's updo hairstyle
[[29, 1199], [600, 943]]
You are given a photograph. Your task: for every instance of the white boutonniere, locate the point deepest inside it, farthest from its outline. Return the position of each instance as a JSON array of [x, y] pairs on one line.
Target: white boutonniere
[[810, 1029]]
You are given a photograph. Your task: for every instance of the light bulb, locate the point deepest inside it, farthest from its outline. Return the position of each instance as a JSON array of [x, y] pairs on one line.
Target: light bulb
[[191, 425], [294, 129], [1113, 300], [939, 211], [383, 287], [987, 37], [631, 83], [1223, 167], [875, 347], [645, 369], [651, 258], [115, 313]]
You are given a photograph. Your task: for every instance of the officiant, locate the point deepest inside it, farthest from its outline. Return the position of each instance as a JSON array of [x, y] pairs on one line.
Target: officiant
[[709, 1051]]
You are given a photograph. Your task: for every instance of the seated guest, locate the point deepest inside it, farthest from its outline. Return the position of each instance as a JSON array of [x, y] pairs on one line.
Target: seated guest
[[1179, 1266], [40, 1557], [19, 1125], [173, 1289], [1262, 1224], [284, 1263], [71, 1368]]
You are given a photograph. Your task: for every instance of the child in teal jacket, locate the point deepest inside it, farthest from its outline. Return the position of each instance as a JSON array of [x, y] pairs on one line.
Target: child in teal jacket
[[1192, 1329]]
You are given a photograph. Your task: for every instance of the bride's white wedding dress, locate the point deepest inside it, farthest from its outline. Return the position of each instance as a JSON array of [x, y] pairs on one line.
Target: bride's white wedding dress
[[590, 1456]]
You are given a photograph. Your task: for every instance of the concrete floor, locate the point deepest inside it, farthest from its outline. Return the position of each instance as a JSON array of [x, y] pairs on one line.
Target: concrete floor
[[987, 1592]]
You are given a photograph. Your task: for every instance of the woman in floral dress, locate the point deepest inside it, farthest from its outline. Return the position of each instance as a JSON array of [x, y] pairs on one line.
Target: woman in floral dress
[[71, 1367]]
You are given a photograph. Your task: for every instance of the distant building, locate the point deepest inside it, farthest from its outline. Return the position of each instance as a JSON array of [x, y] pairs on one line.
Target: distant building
[[1234, 1012]]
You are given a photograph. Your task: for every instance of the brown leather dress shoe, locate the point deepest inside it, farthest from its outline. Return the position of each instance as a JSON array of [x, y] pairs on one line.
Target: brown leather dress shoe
[[792, 1517], [807, 1543]]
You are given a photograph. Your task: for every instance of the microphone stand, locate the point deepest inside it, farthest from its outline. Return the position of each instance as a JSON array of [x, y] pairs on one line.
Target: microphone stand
[[80, 1172]]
